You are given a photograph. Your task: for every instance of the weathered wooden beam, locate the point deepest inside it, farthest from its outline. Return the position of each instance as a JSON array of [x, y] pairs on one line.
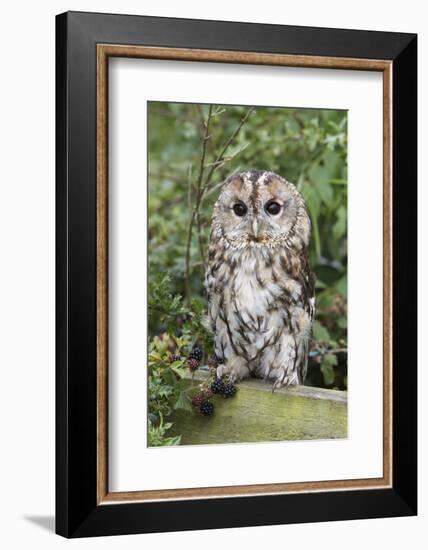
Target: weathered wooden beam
[[256, 414]]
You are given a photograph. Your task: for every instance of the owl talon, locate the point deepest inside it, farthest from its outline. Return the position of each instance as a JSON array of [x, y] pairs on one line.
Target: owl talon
[[220, 370], [276, 385]]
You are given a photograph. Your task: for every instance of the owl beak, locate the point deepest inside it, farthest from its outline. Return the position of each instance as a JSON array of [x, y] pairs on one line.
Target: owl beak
[[255, 228]]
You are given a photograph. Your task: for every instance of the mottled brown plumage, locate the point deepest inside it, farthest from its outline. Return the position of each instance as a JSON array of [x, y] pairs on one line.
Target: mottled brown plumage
[[259, 283]]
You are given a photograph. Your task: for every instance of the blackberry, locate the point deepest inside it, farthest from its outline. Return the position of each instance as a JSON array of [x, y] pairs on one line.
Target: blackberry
[[198, 399], [196, 353], [192, 363], [174, 358], [217, 386], [229, 390], [207, 408]]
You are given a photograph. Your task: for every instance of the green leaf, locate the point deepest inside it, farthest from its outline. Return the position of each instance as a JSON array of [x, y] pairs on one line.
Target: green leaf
[[319, 176], [330, 359], [342, 322], [177, 368], [328, 373], [172, 441], [321, 333], [342, 285], [169, 377], [339, 228], [319, 285], [325, 191], [325, 299], [183, 402], [312, 197]]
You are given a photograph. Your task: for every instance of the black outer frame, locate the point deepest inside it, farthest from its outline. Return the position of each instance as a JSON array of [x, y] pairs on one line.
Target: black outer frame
[[77, 513]]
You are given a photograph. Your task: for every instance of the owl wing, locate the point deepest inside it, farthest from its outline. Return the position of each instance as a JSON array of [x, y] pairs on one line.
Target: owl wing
[[214, 309], [307, 281], [210, 285]]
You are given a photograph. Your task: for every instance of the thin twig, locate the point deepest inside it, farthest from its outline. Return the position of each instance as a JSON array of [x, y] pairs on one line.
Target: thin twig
[[161, 176], [189, 188], [195, 212], [226, 147], [217, 186], [220, 163]]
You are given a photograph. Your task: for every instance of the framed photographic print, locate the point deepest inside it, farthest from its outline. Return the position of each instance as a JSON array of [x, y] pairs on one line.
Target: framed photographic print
[[236, 274]]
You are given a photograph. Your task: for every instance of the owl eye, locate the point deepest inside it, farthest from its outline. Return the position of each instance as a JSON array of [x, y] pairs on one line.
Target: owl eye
[[240, 209], [273, 208]]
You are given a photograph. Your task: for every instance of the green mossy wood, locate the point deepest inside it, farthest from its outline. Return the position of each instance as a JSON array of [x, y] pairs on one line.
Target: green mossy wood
[[256, 414]]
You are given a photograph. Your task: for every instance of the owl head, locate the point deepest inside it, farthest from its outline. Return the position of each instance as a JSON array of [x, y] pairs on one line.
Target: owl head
[[260, 208]]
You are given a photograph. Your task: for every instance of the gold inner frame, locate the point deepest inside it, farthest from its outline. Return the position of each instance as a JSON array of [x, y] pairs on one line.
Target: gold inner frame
[[104, 51]]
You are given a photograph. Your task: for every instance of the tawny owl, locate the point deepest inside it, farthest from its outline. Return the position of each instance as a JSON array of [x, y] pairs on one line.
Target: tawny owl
[[259, 283]]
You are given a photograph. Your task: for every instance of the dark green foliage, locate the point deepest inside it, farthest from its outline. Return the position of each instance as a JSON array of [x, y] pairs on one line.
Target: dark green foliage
[[157, 437], [164, 393], [172, 353]]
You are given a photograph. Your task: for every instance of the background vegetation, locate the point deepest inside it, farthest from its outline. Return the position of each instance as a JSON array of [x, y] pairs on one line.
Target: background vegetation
[[192, 149]]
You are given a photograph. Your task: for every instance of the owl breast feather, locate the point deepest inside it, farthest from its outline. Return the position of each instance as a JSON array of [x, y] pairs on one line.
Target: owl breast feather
[[256, 302]]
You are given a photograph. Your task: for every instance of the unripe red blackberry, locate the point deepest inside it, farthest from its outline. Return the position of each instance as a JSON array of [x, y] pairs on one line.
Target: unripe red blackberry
[[192, 363], [198, 399]]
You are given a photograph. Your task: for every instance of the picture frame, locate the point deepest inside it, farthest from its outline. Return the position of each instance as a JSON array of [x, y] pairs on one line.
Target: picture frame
[[84, 44]]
